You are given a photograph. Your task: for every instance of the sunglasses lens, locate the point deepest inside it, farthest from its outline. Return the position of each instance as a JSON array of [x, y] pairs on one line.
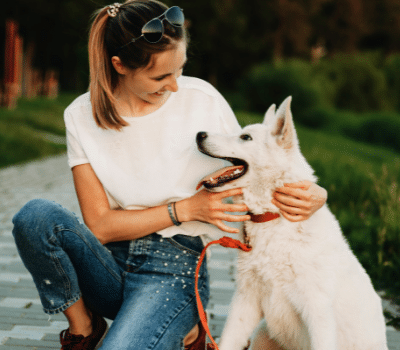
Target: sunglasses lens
[[153, 30], [174, 15]]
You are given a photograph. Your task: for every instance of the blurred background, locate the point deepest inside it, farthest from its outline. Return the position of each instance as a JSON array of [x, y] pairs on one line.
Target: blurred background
[[339, 59]]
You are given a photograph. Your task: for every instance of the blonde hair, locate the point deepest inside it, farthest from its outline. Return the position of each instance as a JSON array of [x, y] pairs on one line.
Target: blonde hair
[[107, 35]]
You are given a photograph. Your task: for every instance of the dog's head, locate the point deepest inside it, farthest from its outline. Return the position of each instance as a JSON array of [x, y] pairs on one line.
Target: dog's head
[[262, 154]]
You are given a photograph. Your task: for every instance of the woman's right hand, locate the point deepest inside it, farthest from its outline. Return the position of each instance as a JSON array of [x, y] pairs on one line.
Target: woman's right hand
[[209, 207]]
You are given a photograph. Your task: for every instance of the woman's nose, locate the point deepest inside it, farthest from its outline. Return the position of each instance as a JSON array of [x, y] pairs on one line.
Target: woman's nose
[[172, 84]]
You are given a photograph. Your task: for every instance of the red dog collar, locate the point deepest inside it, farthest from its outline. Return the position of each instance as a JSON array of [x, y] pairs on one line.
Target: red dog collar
[[268, 216]]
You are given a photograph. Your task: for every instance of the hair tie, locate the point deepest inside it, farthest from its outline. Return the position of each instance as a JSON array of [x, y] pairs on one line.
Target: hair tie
[[113, 9]]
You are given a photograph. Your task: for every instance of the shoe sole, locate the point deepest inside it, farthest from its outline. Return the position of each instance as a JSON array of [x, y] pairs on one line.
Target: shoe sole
[[100, 343]]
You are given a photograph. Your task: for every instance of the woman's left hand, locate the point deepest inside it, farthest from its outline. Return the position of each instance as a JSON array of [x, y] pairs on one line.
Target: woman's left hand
[[298, 201]]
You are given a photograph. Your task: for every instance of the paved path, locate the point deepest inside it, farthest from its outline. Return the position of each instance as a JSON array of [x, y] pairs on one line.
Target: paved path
[[23, 325]]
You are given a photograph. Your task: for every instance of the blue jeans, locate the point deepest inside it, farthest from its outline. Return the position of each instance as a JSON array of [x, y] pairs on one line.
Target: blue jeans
[[145, 285]]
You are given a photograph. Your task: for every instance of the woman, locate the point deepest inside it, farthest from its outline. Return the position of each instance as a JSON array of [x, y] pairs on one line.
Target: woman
[[131, 147]]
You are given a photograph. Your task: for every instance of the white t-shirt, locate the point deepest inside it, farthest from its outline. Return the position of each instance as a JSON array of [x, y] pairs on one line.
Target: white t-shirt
[[154, 160]]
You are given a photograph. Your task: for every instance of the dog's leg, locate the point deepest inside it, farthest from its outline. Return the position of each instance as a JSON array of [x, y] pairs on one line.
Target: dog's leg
[[318, 315], [262, 341], [244, 316], [323, 325]]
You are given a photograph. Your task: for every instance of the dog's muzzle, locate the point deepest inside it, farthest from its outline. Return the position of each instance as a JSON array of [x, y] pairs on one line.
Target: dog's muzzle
[[224, 175]]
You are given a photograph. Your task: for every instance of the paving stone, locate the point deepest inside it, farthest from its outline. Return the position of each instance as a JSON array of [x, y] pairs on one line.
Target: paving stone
[[11, 312], [393, 339], [5, 326], [30, 293], [22, 283], [14, 277], [15, 268], [19, 302], [5, 291], [34, 343], [22, 321], [13, 347]]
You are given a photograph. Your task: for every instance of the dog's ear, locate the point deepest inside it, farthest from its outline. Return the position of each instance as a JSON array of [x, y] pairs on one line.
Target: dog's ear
[[269, 115], [284, 130]]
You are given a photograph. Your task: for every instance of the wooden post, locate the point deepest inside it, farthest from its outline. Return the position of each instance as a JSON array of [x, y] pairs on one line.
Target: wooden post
[[12, 65], [28, 72], [50, 88]]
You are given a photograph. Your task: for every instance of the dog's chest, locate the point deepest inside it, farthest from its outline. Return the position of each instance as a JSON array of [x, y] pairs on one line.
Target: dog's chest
[[274, 253], [270, 259]]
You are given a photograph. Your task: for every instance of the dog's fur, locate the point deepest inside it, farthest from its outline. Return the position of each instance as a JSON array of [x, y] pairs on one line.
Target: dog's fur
[[301, 277]]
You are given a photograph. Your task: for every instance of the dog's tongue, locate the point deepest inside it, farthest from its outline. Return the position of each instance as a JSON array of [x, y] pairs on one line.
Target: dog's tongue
[[220, 175]]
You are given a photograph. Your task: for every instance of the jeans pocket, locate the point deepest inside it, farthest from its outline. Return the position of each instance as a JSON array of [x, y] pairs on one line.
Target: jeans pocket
[[192, 245]]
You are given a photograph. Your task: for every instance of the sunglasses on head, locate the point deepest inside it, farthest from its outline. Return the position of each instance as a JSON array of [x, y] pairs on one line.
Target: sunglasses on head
[[153, 30]]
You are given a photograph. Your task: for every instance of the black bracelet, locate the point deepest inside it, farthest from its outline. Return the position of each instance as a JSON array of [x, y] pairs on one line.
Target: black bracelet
[[171, 214]]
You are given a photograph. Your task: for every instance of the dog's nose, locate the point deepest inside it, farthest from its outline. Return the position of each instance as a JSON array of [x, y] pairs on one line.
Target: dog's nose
[[202, 135]]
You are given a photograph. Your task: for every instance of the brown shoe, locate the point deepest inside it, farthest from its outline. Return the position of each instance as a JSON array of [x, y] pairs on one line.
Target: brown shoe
[[79, 342], [200, 342]]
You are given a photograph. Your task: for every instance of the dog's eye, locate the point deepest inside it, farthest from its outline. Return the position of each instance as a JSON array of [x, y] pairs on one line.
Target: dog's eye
[[246, 137]]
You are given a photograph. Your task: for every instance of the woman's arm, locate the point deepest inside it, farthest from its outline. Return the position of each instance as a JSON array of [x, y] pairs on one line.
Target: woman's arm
[[298, 201], [117, 225]]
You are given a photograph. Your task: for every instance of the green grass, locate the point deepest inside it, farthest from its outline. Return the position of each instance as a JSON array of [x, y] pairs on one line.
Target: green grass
[[20, 129], [363, 192]]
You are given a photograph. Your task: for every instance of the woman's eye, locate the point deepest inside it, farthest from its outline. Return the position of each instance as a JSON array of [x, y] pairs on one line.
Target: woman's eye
[[246, 137]]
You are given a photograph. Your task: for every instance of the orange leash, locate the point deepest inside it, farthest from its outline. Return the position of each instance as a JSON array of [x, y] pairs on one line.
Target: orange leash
[[225, 242]]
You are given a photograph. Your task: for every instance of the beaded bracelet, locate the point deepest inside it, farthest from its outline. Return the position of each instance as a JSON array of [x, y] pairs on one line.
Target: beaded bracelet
[[171, 214]]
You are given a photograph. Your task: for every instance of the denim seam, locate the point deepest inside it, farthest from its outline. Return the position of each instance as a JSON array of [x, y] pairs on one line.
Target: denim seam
[[182, 247], [65, 306], [67, 287], [152, 346], [116, 276], [59, 268]]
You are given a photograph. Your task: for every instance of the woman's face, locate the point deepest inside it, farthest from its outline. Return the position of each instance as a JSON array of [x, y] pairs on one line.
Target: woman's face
[[154, 83]]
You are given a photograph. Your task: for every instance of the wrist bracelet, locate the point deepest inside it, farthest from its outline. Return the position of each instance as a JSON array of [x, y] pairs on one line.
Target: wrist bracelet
[[171, 215], [176, 215]]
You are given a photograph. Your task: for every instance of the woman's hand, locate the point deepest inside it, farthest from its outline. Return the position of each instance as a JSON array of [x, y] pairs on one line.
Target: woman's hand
[[298, 201], [209, 207]]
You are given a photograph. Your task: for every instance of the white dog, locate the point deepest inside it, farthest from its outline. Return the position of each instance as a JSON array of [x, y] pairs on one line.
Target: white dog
[[300, 277]]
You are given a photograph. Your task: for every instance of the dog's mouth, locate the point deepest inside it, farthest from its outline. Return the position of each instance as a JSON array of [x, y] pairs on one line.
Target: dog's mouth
[[224, 175]]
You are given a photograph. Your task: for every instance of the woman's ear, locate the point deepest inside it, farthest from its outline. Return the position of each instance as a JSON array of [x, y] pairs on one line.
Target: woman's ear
[[118, 66]]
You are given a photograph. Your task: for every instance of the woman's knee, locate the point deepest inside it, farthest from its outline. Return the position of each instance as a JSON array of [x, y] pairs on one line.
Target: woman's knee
[[32, 211], [34, 216]]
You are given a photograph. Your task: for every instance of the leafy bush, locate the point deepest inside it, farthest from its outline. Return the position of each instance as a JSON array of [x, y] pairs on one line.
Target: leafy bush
[[379, 128], [266, 84], [353, 82], [392, 73], [317, 118], [362, 82]]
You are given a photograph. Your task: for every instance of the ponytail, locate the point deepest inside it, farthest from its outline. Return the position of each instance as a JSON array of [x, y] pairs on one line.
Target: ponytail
[[103, 78], [111, 32]]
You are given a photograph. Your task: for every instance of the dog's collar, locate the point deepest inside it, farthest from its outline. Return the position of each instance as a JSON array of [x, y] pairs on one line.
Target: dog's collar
[[268, 216]]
